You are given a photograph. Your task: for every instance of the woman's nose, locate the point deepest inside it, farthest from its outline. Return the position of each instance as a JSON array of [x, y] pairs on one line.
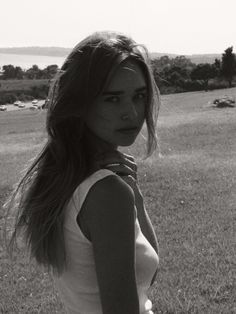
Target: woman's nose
[[130, 110]]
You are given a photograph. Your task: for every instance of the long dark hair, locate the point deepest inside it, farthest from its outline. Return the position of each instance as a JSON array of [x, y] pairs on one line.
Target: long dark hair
[[48, 185]]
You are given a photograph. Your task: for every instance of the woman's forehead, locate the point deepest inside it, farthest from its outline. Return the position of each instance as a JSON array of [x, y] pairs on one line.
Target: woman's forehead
[[128, 73]]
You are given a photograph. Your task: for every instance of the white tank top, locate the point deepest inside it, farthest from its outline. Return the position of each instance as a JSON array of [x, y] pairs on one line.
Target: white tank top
[[77, 285]]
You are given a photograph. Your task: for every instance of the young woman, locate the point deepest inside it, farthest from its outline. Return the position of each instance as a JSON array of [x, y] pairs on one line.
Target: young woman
[[81, 209]]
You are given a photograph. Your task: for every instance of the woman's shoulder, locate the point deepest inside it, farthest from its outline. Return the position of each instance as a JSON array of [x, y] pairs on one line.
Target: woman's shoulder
[[108, 185], [101, 189], [109, 200], [109, 194], [102, 181], [109, 205]]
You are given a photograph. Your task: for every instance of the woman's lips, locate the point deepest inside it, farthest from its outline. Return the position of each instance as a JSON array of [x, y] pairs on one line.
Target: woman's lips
[[129, 130]]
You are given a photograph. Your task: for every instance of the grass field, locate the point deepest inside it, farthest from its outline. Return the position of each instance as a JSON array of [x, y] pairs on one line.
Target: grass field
[[189, 187]]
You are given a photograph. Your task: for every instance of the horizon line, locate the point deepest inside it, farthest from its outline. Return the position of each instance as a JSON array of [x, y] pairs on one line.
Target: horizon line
[[70, 48]]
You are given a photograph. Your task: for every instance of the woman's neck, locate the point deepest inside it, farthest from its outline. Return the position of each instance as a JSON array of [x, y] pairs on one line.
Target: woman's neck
[[96, 146]]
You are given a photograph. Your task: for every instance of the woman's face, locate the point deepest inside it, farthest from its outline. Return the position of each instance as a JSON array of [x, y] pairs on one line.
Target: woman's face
[[117, 115]]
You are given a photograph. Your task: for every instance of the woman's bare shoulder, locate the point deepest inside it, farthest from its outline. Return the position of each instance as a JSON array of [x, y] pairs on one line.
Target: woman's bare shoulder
[[109, 199], [112, 186]]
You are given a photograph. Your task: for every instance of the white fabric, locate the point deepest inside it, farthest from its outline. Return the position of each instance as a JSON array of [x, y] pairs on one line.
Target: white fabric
[[78, 285]]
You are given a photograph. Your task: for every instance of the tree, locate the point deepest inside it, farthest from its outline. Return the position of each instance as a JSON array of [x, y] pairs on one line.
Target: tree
[[228, 65], [182, 62], [204, 72], [34, 72], [11, 72], [19, 73], [217, 65], [172, 71], [160, 63], [50, 71], [8, 72]]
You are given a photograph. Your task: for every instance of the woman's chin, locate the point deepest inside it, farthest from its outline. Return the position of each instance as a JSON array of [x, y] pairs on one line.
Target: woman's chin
[[126, 142]]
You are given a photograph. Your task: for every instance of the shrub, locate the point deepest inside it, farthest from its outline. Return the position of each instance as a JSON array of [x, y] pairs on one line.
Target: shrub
[[192, 85], [217, 84], [23, 97], [40, 92], [7, 98]]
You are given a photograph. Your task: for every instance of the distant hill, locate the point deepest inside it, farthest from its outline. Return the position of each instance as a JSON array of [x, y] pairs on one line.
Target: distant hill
[[204, 58], [63, 52], [38, 51], [195, 58]]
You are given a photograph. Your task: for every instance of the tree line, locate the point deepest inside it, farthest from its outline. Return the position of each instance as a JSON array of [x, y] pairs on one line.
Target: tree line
[[172, 75], [26, 92], [15, 72], [179, 74]]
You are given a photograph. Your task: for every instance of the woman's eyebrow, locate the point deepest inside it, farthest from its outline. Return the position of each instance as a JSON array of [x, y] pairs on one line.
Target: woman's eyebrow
[[141, 89], [114, 92]]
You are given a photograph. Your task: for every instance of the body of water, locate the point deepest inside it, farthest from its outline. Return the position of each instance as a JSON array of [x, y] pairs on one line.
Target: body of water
[[26, 61]]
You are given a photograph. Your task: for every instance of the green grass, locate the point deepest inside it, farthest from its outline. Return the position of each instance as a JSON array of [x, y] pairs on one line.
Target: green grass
[[189, 189]]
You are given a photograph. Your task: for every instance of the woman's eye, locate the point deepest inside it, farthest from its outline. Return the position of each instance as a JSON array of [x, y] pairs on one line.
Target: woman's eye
[[141, 96], [113, 99]]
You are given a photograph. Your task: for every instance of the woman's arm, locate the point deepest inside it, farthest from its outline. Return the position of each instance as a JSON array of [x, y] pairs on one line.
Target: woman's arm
[[125, 166], [145, 223], [109, 215], [143, 217]]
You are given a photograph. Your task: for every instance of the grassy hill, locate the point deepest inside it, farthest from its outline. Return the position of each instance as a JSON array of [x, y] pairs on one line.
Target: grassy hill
[[189, 190]]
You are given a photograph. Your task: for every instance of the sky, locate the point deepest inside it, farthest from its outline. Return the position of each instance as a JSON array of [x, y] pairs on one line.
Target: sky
[[166, 26]]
